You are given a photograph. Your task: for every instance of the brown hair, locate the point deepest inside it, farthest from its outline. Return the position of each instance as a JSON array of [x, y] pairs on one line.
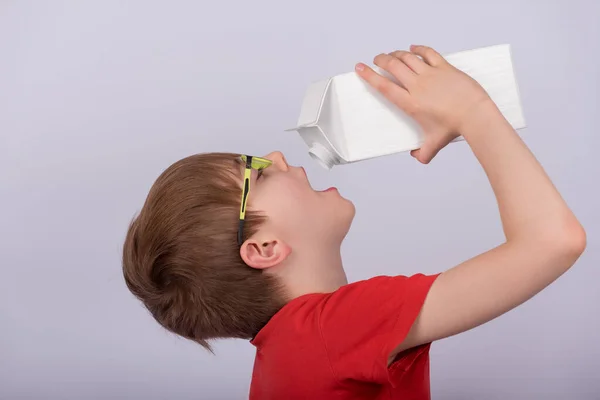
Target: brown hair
[[181, 256]]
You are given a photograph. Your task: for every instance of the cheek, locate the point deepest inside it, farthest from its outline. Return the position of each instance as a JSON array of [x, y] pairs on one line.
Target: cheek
[[280, 202], [292, 202], [297, 207], [314, 206]]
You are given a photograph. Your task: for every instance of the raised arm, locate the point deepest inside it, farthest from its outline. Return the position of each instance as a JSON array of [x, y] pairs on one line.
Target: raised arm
[[543, 237]]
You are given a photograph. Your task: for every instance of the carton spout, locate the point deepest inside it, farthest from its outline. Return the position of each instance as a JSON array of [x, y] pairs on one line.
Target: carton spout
[[322, 156]]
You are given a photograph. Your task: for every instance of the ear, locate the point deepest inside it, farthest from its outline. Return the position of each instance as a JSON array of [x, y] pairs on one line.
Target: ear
[[266, 253]]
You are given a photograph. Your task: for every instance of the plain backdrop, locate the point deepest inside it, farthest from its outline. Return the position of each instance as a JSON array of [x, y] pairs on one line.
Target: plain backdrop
[[97, 98]]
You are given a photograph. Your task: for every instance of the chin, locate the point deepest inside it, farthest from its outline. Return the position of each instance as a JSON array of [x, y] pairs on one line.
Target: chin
[[350, 210], [348, 206], [347, 211]]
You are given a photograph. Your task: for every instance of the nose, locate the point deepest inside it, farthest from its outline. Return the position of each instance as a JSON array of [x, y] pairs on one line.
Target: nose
[[278, 160]]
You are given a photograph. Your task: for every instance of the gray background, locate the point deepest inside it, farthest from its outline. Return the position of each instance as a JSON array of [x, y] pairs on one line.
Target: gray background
[[97, 98]]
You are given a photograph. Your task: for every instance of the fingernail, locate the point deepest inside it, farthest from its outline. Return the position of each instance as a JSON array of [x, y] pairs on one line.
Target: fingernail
[[360, 67]]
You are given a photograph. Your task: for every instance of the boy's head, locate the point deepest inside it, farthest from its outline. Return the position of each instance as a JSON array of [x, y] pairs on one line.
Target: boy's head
[[182, 258]]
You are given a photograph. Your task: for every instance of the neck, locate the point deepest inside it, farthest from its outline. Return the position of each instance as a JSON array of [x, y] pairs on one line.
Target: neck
[[309, 270]]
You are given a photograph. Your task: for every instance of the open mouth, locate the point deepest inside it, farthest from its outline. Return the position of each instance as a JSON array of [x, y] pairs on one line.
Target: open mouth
[[331, 189]]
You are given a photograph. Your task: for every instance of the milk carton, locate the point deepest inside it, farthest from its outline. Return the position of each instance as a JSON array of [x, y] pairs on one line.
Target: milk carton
[[343, 120]]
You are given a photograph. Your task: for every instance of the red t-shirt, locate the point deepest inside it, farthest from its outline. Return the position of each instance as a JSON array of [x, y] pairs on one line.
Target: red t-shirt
[[336, 345]]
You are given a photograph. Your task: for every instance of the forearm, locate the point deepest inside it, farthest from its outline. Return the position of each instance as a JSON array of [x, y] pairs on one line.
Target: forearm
[[529, 204], [544, 239]]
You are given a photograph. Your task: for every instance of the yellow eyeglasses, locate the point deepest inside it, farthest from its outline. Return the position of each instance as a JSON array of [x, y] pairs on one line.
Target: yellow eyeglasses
[[251, 163]]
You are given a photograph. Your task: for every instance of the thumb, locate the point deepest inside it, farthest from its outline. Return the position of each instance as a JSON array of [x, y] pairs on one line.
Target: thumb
[[425, 154], [430, 148], [415, 153]]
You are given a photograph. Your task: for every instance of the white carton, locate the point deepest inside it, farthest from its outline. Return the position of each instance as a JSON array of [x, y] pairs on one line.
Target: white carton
[[343, 120]]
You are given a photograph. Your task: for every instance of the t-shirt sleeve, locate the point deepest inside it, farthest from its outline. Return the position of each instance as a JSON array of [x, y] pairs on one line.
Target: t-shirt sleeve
[[361, 323]]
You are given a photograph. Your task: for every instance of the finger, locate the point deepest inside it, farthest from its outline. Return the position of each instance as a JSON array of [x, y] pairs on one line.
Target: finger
[[397, 68], [428, 54], [390, 90], [412, 61]]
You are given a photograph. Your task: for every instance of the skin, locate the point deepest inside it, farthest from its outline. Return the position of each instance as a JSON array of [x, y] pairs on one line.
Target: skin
[[301, 239], [301, 242]]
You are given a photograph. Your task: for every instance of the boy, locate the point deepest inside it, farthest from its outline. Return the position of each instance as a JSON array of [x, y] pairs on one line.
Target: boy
[[207, 268]]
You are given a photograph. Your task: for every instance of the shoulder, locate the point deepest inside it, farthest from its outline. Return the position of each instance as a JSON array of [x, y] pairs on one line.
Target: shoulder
[[383, 287], [297, 317]]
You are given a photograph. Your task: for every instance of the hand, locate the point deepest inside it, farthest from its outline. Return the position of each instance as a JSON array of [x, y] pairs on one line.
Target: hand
[[437, 95]]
